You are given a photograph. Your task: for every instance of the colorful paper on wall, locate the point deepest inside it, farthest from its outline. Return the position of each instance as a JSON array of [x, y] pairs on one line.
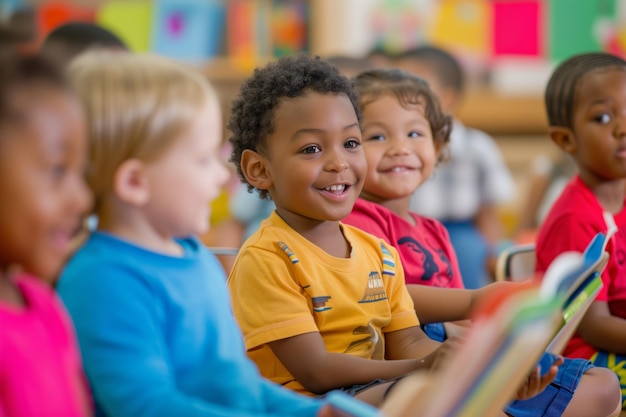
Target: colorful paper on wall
[[247, 34], [579, 28], [52, 14], [397, 25], [189, 30], [289, 32], [463, 25], [517, 28], [131, 20]]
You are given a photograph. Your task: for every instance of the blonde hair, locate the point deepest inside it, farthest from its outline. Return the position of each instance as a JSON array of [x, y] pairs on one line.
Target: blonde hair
[[137, 105]]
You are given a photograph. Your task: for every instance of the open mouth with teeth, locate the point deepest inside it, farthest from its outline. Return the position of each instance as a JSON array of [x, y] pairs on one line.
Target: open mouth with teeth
[[336, 188], [399, 169]]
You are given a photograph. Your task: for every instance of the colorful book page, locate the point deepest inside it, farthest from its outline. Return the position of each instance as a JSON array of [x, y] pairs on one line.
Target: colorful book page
[[517, 28], [577, 29], [52, 14], [463, 25], [289, 27], [131, 20], [505, 342], [189, 30]]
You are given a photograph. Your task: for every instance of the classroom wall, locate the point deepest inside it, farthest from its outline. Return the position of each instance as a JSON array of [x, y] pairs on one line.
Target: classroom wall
[[508, 47]]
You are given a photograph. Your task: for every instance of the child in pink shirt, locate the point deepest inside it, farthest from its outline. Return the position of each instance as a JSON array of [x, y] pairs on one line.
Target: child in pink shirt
[[42, 200]]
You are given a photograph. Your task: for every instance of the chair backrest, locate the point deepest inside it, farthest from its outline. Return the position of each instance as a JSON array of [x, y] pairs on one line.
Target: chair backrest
[[516, 263]]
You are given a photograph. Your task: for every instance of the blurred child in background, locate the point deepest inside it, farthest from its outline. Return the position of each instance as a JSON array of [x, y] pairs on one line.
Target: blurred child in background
[[43, 198], [67, 41]]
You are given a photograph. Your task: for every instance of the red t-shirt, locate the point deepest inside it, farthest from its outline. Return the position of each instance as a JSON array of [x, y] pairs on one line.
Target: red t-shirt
[[425, 250], [574, 219]]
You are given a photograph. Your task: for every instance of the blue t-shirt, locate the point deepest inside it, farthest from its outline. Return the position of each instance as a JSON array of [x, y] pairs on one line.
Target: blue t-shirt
[[158, 337]]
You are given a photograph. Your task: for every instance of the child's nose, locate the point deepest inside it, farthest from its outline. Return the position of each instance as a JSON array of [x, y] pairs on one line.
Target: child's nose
[[401, 146], [336, 161], [620, 126]]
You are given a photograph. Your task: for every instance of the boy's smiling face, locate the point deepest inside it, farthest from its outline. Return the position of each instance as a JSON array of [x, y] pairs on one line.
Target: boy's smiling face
[[399, 147], [313, 160], [599, 125]]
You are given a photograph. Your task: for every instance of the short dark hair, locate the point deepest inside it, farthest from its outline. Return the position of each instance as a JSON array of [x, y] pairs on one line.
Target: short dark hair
[[18, 72], [561, 89], [75, 38], [444, 64], [252, 116], [408, 89]]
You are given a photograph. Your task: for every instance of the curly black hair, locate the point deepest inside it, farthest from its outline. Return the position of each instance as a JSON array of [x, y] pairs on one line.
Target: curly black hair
[[408, 89], [252, 116], [561, 88]]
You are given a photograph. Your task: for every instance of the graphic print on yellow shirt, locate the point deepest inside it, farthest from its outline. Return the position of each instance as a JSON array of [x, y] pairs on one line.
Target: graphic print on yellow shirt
[[283, 286]]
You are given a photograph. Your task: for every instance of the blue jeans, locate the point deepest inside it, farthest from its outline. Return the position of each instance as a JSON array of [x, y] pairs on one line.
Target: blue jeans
[[553, 400]]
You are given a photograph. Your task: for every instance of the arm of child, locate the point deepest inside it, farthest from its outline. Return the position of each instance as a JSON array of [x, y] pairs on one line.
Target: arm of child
[[436, 305], [319, 371], [603, 330]]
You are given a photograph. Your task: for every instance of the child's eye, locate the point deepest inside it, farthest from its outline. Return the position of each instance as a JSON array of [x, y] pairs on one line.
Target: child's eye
[[311, 149], [603, 118], [414, 134], [352, 143], [376, 137]]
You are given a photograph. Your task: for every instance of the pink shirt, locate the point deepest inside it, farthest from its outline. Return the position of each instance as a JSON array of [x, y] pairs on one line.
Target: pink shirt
[[40, 367], [575, 218], [425, 249]]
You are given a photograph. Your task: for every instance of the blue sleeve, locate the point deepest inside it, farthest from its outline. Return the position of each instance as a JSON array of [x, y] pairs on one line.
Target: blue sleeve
[[118, 318]]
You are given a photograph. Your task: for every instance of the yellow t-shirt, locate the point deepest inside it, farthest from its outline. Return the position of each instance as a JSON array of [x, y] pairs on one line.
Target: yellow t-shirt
[[283, 285]]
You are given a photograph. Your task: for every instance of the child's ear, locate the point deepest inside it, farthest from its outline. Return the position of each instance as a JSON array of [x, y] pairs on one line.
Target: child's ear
[[255, 169], [130, 182], [563, 137]]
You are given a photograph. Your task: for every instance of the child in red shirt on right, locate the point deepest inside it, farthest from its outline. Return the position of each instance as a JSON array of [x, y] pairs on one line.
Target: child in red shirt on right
[[586, 105]]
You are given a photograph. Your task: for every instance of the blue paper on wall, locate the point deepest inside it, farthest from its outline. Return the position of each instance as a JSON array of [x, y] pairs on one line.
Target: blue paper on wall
[[189, 30]]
